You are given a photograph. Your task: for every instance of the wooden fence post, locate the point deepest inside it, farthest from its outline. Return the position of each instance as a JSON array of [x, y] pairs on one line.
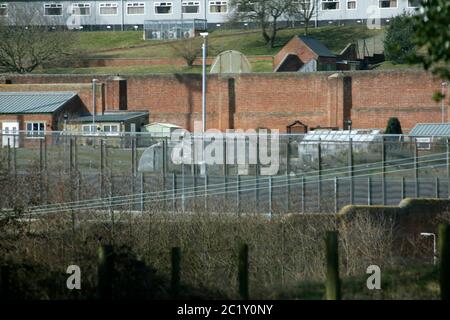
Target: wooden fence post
[[333, 285], [243, 272], [105, 271], [444, 260], [176, 271]]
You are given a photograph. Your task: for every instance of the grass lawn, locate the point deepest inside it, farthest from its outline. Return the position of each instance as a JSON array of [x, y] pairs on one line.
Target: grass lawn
[[249, 43], [417, 283], [388, 65], [129, 44]]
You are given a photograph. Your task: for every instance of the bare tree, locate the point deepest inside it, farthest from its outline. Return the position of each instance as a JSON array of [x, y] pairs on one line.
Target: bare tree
[[267, 13], [188, 49], [25, 42], [303, 11]]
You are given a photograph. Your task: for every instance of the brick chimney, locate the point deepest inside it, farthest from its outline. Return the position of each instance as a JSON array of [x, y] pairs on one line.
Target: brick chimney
[[116, 93]]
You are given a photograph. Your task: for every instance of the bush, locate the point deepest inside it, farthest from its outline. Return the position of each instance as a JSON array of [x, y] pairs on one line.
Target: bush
[[393, 126], [399, 46]]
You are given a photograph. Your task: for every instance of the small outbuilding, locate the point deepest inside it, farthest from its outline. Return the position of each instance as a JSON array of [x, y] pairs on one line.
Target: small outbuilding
[[36, 113], [301, 51]]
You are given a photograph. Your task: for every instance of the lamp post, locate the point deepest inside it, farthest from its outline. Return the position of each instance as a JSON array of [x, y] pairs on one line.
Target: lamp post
[[429, 234], [94, 89], [443, 85], [205, 36]]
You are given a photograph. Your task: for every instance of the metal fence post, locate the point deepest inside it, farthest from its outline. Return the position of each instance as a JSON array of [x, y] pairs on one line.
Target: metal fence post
[[447, 159], [174, 190], [319, 182], [256, 193], [416, 169], [303, 194], [102, 168], [206, 193], [350, 168], [143, 191], [182, 188], [288, 193], [403, 188], [270, 196], [383, 171], [238, 194], [369, 191], [437, 188], [336, 194]]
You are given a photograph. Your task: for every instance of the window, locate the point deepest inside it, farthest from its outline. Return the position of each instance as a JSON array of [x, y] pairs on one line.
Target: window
[[190, 6], [163, 7], [351, 4], [3, 10], [89, 129], [135, 8], [413, 3], [81, 9], [53, 9], [330, 4], [387, 3], [218, 6], [35, 129], [108, 9], [111, 128]]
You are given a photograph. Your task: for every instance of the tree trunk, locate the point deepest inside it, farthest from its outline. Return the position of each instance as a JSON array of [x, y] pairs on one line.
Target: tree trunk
[[274, 34], [264, 32]]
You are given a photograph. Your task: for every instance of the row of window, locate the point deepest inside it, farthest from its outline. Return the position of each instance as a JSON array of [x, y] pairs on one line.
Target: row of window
[[133, 8], [193, 7], [352, 4], [36, 129]]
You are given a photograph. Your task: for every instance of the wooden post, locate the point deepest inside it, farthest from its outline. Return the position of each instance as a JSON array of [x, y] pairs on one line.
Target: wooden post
[[333, 286], [176, 272], [444, 260], [243, 272], [105, 271]]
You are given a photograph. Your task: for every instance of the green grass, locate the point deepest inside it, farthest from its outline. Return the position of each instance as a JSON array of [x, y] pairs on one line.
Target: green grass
[[129, 44], [416, 283], [388, 65], [249, 43]]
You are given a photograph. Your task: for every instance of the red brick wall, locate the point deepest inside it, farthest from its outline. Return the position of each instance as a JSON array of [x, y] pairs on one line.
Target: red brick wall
[[377, 96], [274, 100]]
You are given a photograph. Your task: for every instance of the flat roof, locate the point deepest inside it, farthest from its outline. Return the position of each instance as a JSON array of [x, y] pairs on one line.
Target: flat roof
[[111, 117]]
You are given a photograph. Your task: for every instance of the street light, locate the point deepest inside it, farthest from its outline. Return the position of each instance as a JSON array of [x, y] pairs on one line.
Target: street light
[[205, 36], [429, 234], [443, 85]]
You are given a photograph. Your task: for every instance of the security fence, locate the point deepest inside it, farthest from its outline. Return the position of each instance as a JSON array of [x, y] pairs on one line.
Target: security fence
[[136, 172]]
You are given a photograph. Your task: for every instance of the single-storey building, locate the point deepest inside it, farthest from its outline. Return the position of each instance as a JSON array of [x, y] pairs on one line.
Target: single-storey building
[[36, 113], [111, 123], [304, 54]]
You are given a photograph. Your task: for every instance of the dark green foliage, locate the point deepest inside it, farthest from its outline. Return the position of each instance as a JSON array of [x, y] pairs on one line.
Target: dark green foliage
[[432, 33], [393, 126], [399, 47]]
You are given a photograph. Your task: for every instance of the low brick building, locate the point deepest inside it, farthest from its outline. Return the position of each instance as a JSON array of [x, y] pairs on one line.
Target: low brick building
[[36, 112], [302, 51]]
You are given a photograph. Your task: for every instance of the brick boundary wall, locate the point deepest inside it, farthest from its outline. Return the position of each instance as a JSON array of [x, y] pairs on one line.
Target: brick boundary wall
[[272, 100]]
